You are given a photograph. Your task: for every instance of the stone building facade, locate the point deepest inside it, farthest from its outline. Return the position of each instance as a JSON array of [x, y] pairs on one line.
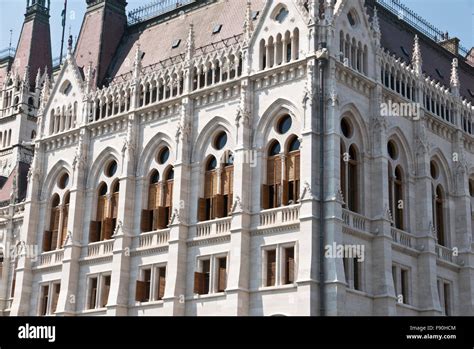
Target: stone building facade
[[208, 160]]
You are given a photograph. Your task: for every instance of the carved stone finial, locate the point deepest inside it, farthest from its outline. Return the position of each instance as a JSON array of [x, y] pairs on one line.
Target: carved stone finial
[[454, 81], [417, 60]]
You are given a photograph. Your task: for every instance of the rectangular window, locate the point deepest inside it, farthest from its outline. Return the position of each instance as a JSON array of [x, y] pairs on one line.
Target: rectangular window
[[105, 290], [142, 292], [221, 274], [202, 278], [289, 265], [270, 267], [395, 278], [345, 262], [405, 285], [55, 295], [44, 300], [357, 276], [161, 282], [447, 298], [93, 283]]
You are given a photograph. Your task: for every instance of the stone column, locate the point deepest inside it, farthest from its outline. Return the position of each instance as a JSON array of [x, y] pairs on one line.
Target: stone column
[[75, 227]]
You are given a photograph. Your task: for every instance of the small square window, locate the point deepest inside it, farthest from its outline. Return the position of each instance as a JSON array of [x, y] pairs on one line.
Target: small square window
[[176, 43], [217, 29]]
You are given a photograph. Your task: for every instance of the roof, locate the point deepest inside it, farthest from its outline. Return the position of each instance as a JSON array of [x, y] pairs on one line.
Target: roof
[[156, 40], [398, 36]]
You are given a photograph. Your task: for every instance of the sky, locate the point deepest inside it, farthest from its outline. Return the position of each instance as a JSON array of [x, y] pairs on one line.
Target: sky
[[454, 16]]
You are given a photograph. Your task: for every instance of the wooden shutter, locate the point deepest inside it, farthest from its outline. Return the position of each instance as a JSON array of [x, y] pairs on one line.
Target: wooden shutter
[[114, 203], [265, 197], [152, 195], [208, 184], [94, 231], [160, 218], [47, 241], [202, 210], [297, 165], [285, 193], [199, 280], [271, 267], [277, 169], [270, 171], [140, 293], [161, 283], [222, 276], [55, 218], [65, 219], [169, 194], [108, 228], [146, 221], [227, 180], [101, 208], [218, 206], [290, 167], [54, 239], [230, 202]]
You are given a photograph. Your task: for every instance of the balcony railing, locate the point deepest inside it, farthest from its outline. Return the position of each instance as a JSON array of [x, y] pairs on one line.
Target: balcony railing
[[403, 238], [216, 227], [444, 253], [99, 249], [47, 259], [354, 220], [280, 215], [154, 239]]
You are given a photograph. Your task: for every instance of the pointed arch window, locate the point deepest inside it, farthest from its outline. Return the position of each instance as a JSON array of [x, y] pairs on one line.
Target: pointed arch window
[[271, 192], [102, 228], [55, 237], [396, 200], [291, 184], [352, 184], [438, 214]]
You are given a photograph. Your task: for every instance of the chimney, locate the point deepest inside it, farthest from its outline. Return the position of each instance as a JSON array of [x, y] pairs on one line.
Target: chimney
[[452, 45], [102, 28], [34, 45]]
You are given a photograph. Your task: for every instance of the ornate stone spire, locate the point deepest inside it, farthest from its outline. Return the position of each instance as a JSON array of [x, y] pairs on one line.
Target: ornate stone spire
[[137, 64], [417, 61], [248, 24], [190, 43], [375, 22], [89, 78], [455, 84], [38, 79], [26, 78]]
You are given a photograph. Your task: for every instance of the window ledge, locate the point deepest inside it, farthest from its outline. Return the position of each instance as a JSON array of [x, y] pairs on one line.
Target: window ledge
[[97, 310], [207, 296], [276, 288], [148, 304]]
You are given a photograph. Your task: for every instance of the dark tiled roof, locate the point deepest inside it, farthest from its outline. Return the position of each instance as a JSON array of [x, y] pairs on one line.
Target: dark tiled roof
[[398, 36], [156, 40]]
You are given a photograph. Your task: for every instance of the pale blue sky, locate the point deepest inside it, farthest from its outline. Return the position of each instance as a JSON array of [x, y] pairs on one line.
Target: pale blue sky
[[454, 16]]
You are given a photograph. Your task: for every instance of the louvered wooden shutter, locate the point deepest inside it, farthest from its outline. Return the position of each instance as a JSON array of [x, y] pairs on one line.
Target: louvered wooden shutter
[[202, 210], [285, 193], [101, 208], [222, 279], [271, 267], [297, 165], [94, 232], [277, 169], [47, 241], [291, 269], [162, 218], [161, 283], [54, 239], [115, 202], [65, 219], [230, 202], [199, 280], [208, 184], [218, 206], [55, 219], [108, 228], [146, 221], [140, 293], [152, 196], [169, 194], [227, 180], [290, 165], [265, 197], [271, 171]]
